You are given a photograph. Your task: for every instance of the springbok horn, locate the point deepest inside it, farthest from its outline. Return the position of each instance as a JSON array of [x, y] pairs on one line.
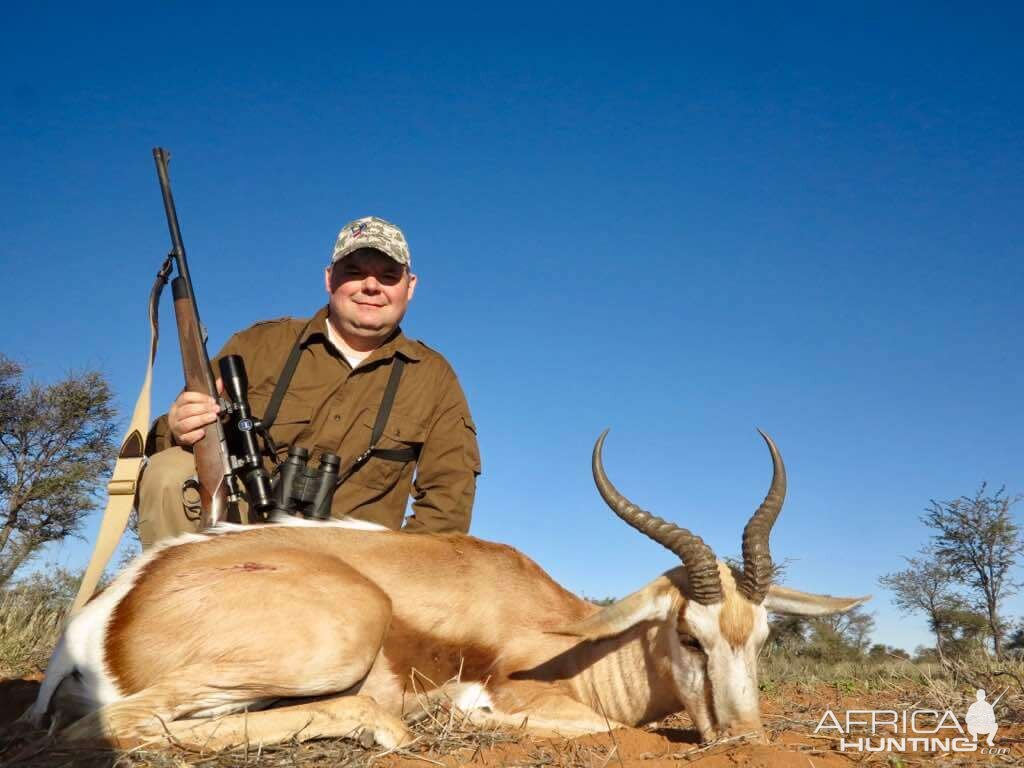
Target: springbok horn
[[700, 562], [757, 555]]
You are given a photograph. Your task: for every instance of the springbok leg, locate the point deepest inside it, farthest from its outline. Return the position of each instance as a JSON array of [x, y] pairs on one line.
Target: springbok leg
[[542, 713], [150, 715], [339, 717]]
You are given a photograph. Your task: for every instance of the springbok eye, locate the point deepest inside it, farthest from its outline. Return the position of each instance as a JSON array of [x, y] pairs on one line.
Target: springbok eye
[[689, 641]]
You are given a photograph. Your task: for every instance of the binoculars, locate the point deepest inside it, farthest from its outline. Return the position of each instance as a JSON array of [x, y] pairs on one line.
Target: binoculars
[[302, 490]]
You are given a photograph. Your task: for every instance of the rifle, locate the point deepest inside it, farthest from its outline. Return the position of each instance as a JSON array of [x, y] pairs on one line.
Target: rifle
[[216, 481], [218, 471]]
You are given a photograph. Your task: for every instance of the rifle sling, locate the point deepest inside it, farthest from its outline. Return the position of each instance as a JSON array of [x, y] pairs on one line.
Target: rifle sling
[[124, 481]]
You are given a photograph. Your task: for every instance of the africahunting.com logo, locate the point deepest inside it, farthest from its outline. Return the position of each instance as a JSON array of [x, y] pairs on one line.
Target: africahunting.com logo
[[916, 730]]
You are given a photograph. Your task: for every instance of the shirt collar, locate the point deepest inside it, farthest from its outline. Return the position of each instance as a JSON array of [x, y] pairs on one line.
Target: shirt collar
[[398, 342]]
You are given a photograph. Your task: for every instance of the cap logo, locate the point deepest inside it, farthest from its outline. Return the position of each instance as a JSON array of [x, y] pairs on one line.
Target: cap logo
[[358, 229]]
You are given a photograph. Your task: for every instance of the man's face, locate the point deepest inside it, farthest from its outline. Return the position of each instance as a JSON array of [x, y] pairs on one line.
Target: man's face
[[369, 293]]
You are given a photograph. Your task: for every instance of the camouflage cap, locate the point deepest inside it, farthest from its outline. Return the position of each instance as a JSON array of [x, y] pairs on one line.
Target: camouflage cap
[[372, 232]]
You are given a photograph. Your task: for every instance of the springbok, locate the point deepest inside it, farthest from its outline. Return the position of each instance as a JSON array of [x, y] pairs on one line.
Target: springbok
[[197, 637]]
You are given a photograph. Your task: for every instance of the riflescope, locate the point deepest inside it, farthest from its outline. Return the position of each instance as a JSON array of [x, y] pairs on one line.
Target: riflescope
[[241, 430]]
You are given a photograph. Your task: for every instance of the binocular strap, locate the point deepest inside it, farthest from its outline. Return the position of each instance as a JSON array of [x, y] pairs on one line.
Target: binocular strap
[[284, 380], [395, 454], [388, 400]]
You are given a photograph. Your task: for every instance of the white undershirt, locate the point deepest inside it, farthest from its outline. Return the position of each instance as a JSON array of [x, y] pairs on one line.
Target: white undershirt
[[354, 358]]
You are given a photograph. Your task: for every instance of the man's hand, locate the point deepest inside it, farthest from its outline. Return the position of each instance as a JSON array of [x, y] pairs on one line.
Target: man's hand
[[190, 414]]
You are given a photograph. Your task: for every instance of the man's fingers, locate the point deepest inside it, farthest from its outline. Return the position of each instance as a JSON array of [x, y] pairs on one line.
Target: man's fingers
[[193, 437], [190, 412], [194, 397], [195, 422], [195, 409]]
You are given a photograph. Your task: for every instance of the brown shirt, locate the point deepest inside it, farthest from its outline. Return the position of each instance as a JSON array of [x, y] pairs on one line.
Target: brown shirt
[[329, 406]]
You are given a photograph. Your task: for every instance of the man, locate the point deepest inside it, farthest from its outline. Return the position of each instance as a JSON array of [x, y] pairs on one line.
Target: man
[[346, 355]]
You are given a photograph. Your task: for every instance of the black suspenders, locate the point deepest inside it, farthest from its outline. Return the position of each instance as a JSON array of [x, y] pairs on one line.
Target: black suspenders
[[383, 412]]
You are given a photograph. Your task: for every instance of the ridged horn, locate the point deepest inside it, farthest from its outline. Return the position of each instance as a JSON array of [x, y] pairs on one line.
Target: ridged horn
[[757, 554], [699, 560]]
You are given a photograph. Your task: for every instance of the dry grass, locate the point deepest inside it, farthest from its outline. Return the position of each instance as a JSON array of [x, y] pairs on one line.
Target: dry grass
[[28, 632], [442, 733], [796, 691], [949, 686]]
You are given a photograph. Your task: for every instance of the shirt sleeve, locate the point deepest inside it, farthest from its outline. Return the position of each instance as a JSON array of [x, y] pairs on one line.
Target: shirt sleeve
[[449, 462]]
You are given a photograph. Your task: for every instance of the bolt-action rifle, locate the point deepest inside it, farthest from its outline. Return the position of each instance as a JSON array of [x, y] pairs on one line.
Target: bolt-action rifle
[[212, 461], [228, 458], [214, 475]]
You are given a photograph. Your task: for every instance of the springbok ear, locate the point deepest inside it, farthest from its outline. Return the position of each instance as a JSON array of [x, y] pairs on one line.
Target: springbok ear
[[792, 601], [652, 603]]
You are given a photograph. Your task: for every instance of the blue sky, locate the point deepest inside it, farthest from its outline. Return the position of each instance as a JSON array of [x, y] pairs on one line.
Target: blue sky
[[676, 222]]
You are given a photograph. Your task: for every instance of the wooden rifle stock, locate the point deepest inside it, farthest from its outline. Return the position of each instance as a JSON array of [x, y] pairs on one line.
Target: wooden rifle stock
[[213, 465]]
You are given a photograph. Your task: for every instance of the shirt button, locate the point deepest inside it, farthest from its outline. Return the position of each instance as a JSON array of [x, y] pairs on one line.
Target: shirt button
[[337, 417]]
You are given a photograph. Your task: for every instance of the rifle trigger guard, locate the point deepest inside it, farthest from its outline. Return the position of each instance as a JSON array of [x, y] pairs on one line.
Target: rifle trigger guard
[[192, 505]]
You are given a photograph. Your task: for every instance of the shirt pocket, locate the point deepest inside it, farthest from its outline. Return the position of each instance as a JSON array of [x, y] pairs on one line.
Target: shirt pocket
[[382, 472]]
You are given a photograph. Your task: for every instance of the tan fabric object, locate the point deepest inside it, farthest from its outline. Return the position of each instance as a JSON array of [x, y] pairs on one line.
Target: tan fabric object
[[164, 511], [331, 407], [124, 481]]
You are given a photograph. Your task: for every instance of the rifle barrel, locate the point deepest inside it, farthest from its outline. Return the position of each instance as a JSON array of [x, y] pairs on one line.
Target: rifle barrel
[[163, 157]]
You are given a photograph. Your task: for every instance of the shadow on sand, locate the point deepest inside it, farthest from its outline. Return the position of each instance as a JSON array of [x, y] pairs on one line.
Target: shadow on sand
[[21, 745]]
